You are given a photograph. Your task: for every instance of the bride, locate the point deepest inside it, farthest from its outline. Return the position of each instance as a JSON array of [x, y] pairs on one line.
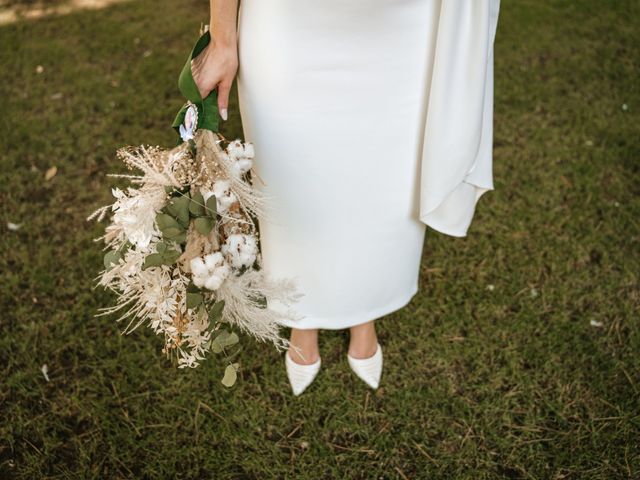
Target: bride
[[371, 119]]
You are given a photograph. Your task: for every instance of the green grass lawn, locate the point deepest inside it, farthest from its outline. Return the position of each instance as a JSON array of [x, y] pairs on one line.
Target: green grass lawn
[[519, 358]]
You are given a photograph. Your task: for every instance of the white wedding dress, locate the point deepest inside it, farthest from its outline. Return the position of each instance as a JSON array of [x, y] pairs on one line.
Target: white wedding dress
[[370, 119]]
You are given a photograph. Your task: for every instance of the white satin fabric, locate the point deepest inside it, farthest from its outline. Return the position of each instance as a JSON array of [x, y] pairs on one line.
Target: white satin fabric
[[370, 119], [457, 154]]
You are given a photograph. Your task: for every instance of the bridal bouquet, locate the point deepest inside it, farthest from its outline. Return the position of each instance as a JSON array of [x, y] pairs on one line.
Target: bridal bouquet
[[182, 247]]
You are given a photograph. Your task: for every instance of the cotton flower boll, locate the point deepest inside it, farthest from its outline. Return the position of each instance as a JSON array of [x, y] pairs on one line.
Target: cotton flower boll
[[198, 267], [244, 164], [240, 155], [219, 275], [241, 165], [199, 280], [225, 197], [235, 149], [248, 150], [210, 271], [213, 260], [213, 282], [240, 249], [199, 271]]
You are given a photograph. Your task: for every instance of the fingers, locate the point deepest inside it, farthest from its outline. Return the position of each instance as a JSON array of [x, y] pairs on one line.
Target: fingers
[[223, 99], [197, 67], [215, 71], [197, 78]]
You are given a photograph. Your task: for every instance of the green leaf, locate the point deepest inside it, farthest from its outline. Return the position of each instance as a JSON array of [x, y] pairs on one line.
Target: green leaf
[[178, 208], [212, 206], [171, 232], [224, 339], [194, 299], [164, 220], [227, 338], [180, 238], [192, 287], [112, 257], [196, 205], [230, 375], [152, 260], [216, 310], [215, 347], [231, 339], [204, 225], [169, 257], [161, 247]]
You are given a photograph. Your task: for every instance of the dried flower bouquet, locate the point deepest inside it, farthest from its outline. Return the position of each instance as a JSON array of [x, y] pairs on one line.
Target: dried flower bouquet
[[183, 251]]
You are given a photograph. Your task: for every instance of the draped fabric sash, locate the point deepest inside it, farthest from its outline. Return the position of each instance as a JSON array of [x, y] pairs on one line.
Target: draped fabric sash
[[456, 162]]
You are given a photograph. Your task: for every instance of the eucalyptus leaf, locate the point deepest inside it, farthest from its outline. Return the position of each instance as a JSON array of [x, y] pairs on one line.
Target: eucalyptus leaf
[[204, 225], [196, 205], [216, 310], [171, 232], [112, 257], [164, 220], [152, 260], [231, 339], [180, 238], [194, 299], [212, 206], [230, 375], [224, 339], [170, 256], [215, 346], [178, 208]]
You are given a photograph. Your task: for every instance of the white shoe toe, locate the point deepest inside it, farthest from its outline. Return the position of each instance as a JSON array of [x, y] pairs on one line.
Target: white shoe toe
[[368, 369], [300, 376]]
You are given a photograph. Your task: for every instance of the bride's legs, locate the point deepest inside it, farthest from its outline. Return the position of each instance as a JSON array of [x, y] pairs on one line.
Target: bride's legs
[[307, 341], [363, 340]]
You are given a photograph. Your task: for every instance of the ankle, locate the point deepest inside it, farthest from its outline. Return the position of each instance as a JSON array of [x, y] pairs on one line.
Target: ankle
[[304, 346], [363, 341]]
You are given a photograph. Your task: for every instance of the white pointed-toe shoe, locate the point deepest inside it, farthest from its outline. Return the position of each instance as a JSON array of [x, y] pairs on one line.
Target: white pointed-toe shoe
[[300, 376], [368, 369]]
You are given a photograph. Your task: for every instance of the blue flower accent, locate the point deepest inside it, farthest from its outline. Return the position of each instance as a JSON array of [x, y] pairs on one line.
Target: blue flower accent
[[190, 123], [186, 134]]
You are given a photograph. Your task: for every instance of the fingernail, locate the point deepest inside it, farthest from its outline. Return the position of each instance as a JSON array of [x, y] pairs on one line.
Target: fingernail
[[223, 114]]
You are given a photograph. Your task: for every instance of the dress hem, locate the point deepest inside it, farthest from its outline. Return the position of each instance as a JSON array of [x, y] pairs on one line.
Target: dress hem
[[353, 320]]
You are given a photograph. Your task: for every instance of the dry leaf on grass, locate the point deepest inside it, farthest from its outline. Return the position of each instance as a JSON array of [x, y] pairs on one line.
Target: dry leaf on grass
[[50, 173]]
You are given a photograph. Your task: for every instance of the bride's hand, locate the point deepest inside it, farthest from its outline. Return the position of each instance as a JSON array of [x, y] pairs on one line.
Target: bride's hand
[[216, 67]]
